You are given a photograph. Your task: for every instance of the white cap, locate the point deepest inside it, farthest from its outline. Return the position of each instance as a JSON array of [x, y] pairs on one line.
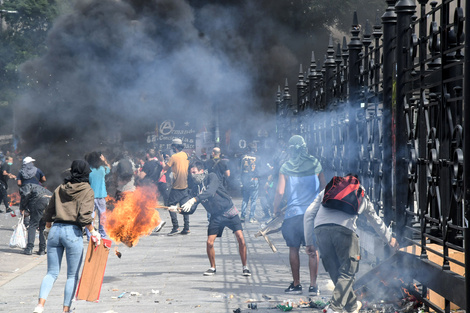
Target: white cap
[[176, 141], [28, 159]]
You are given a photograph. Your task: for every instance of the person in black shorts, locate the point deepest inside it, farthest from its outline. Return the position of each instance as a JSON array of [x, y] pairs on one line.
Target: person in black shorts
[[212, 195]]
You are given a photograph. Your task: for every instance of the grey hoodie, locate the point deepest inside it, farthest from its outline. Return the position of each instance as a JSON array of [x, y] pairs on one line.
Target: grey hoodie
[[317, 215]]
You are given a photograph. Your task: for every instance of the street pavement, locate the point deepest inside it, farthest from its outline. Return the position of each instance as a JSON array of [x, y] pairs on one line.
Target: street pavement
[[164, 274]]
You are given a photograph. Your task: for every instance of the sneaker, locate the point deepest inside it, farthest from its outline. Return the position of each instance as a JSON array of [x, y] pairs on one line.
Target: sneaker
[[313, 291], [358, 307], [252, 220], [9, 210], [1, 211], [242, 219], [28, 251], [295, 290], [246, 272], [38, 309], [173, 232], [159, 227], [185, 232], [209, 272]]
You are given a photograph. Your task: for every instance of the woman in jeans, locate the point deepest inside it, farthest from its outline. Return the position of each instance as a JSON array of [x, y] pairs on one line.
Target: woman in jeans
[[69, 210]]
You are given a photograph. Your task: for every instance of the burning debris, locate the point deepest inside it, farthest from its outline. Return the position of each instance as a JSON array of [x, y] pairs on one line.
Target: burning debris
[[15, 198], [388, 288], [133, 216], [116, 251]]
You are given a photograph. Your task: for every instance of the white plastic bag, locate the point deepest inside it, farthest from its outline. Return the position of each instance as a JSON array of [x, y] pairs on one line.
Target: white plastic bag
[[19, 236]]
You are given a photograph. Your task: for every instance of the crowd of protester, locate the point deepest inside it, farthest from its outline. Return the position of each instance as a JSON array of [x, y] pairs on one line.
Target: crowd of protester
[[287, 182]]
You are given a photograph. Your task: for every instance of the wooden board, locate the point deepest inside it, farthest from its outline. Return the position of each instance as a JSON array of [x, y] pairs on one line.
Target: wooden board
[[89, 286]]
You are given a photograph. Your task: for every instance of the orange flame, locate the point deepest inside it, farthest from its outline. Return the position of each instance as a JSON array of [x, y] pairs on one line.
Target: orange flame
[[133, 216], [406, 292], [15, 198]]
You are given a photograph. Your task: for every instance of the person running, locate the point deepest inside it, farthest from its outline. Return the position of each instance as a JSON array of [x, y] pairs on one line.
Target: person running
[[214, 198]]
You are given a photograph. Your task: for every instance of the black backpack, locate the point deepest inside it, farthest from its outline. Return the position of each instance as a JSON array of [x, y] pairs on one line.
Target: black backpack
[[344, 193]]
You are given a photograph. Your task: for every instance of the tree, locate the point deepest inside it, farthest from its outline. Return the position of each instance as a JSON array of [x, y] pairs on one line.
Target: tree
[[24, 28]]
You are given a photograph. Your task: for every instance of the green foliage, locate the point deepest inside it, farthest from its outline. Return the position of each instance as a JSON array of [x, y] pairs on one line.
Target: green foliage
[[23, 32], [314, 16], [339, 12]]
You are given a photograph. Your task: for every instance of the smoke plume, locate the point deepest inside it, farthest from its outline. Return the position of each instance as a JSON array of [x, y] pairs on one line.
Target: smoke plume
[[114, 66]]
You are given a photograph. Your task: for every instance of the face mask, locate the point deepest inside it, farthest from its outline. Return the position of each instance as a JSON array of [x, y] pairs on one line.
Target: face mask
[[198, 178], [10, 163]]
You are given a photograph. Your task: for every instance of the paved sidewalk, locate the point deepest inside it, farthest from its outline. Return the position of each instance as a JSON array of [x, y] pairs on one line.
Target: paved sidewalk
[[164, 274]]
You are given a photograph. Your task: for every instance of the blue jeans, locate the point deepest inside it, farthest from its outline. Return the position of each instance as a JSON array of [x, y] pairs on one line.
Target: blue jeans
[[100, 206], [250, 193], [68, 238]]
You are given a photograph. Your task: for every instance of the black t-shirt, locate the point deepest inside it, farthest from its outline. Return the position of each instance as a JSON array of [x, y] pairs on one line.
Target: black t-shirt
[[36, 179], [152, 170], [217, 166], [213, 196], [7, 168]]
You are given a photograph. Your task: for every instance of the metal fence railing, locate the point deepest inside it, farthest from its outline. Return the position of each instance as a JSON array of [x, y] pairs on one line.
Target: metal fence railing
[[389, 105]]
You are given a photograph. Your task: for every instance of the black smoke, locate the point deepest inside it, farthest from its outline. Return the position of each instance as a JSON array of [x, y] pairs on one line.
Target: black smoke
[[114, 66]]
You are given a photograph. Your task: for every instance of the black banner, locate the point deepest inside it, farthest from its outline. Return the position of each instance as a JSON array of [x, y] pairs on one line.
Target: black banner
[[167, 130]]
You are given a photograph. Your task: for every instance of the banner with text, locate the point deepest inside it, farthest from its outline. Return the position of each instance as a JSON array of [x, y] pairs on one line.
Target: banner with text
[[168, 129]]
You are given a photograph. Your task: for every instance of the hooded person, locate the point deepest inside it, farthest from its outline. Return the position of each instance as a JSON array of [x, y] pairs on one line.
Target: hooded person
[[34, 199], [209, 191], [300, 181], [69, 210], [331, 219], [30, 174]]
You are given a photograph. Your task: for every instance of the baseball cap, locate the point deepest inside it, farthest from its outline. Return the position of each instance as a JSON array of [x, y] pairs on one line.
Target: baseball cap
[[176, 141], [28, 159]]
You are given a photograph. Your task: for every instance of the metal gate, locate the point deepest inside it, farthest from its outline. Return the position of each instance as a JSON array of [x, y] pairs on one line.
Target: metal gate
[[390, 106]]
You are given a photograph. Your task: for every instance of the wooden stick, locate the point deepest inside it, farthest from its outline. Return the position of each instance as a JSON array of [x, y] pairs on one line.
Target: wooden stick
[[271, 245], [165, 207]]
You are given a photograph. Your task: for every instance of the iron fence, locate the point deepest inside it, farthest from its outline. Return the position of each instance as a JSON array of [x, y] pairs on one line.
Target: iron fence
[[390, 106]]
